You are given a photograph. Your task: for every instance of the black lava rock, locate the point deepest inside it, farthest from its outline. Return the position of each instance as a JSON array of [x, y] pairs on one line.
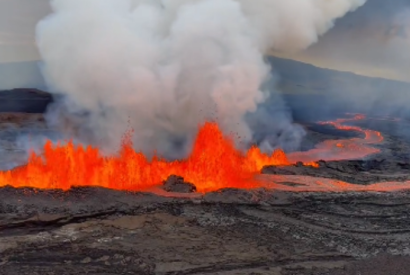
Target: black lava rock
[[177, 184], [24, 101]]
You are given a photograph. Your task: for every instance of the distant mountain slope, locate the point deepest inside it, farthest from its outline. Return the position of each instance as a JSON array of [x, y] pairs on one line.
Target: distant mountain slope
[[24, 101], [298, 77], [296, 80], [21, 75], [312, 91]]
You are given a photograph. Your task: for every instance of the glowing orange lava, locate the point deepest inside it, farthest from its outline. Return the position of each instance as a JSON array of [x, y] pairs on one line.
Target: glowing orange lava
[[354, 148], [314, 184], [331, 150], [213, 164]]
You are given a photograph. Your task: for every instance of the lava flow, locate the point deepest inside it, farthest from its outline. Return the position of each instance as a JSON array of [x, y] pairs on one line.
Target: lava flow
[[213, 164], [345, 149]]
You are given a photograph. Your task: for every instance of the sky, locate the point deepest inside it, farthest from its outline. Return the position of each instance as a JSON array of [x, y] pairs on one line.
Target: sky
[[18, 19], [372, 41]]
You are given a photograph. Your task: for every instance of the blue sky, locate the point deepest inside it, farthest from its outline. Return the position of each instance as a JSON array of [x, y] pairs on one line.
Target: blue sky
[[374, 40]]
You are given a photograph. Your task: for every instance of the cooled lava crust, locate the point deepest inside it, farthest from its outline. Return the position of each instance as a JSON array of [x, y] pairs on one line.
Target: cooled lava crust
[[88, 230]]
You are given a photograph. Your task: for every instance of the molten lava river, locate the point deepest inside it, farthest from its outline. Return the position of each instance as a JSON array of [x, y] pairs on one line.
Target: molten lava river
[[213, 164]]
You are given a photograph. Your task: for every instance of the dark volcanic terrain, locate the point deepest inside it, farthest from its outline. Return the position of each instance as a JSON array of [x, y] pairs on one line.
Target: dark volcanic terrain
[[96, 231], [100, 231]]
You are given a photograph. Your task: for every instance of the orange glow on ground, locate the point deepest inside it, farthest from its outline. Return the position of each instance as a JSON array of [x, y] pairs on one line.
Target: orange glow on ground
[[315, 184], [344, 149], [213, 164]]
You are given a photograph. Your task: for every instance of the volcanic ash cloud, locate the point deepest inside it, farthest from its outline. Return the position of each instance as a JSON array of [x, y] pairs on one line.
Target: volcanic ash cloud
[[165, 67]]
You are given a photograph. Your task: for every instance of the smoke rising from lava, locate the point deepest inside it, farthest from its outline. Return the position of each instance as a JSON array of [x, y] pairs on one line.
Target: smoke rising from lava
[[165, 67]]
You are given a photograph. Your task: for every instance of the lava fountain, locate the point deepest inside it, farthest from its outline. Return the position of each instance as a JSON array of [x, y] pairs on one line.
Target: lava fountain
[[213, 164]]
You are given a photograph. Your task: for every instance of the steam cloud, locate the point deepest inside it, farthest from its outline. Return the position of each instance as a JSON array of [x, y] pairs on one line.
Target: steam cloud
[[165, 67]]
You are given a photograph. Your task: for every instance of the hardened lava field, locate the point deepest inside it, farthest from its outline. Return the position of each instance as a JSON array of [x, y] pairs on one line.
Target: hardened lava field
[[331, 218]]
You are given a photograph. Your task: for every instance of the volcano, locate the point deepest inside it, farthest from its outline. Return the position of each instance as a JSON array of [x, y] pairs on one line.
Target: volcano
[[336, 207]]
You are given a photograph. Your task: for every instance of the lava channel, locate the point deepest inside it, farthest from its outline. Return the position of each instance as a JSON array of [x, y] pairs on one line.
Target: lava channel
[[333, 150], [213, 164]]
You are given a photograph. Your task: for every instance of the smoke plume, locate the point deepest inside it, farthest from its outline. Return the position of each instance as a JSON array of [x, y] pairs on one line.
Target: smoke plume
[[163, 67]]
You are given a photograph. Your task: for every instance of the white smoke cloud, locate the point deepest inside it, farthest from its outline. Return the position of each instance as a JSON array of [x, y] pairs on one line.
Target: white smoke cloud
[[164, 67], [290, 26]]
